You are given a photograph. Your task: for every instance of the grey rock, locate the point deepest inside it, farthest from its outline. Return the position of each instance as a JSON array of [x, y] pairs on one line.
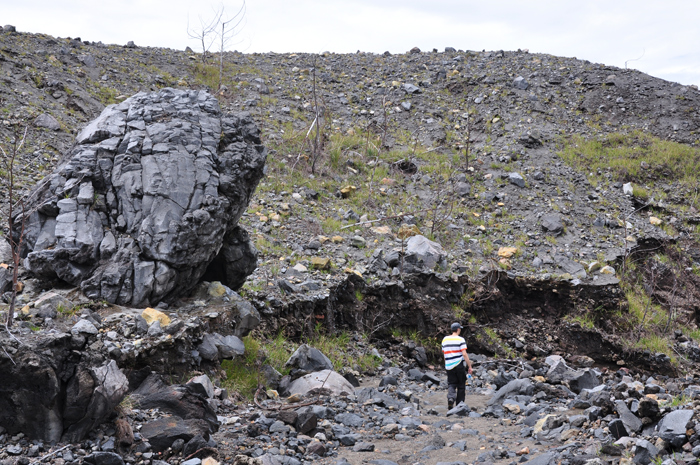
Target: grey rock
[[9, 28], [229, 346], [325, 379], [552, 224], [154, 330], [279, 427], [649, 408], [520, 83], [309, 359], [463, 189], [349, 439], [617, 428], [5, 280], [549, 458], [104, 458], [5, 251], [287, 287], [271, 377], [14, 449], [306, 422], [183, 401], [583, 379], [363, 447], [207, 348], [203, 385], [90, 399], [519, 386], [47, 121], [245, 315], [516, 179], [411, 89], [672, 427], [88, 60], [163, 432], [460, 410], [172, 209], [421, 252], [317, 448], [84, 327], [349, 419], [631, 422], [644, 452]]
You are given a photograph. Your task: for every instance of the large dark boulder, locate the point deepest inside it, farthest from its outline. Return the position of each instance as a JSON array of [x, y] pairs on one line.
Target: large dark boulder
[[55, 394], [148, 200], [185, 401]]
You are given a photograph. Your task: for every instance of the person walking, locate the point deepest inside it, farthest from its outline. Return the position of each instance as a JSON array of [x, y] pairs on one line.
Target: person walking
[[454, 348]]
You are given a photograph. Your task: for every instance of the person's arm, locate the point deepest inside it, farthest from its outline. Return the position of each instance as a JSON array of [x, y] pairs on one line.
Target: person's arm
[[466, 359]]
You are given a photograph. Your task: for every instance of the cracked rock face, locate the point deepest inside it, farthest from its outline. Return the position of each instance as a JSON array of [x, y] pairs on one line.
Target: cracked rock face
[[150, 196]]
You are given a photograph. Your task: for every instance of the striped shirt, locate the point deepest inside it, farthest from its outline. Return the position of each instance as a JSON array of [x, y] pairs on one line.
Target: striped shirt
[[452, 350]]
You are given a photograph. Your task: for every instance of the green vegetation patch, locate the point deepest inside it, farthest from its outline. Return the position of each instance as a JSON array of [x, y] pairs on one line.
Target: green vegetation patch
[[243, 374], [635, 156]]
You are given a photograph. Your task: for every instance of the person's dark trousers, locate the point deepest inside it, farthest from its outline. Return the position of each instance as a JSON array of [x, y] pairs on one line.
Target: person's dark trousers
[[456, 379]]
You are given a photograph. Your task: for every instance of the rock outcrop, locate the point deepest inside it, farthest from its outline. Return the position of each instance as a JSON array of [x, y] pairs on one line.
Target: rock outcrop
[[56, 395], [150, 196]]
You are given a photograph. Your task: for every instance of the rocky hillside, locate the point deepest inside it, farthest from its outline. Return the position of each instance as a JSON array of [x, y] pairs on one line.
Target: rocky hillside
[[506, 189]]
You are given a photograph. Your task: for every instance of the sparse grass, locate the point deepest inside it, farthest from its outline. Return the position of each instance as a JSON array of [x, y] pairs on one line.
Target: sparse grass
[[657, 344], [635, 156], [586, 320], [640, 193], [243, 373], [678, 401]]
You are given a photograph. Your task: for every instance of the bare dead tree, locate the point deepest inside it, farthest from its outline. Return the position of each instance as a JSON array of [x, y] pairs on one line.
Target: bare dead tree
[[15, 242], [316, 152], [229, 29], [205, 33]]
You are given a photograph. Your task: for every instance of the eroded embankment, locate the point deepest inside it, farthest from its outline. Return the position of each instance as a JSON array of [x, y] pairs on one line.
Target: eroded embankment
[[504, 315]]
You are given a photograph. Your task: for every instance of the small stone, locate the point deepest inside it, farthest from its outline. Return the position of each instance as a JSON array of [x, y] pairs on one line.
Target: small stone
[[47, 121], [608, 270], [321, 263], [655, 221], [520, 83], [83, 327], [516, 179], [347, 191], [151, 315], [507, 252], [363, 447]]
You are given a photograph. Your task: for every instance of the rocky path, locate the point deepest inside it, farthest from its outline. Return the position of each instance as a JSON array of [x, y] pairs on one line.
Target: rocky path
[[539, 412]]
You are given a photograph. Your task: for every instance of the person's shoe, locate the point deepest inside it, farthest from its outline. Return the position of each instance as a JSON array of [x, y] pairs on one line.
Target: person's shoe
[[450, 404]]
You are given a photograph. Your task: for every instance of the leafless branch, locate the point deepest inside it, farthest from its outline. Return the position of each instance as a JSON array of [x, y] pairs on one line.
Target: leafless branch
[[203, 34]]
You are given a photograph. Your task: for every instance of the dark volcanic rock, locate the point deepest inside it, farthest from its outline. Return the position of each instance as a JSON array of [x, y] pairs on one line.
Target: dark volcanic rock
[[148, 199], [309, 359], [185, 401], [49, 399], [161, 433]]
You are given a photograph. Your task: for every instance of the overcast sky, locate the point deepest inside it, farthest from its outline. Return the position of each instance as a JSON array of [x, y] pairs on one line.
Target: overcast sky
[[661, 38]]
